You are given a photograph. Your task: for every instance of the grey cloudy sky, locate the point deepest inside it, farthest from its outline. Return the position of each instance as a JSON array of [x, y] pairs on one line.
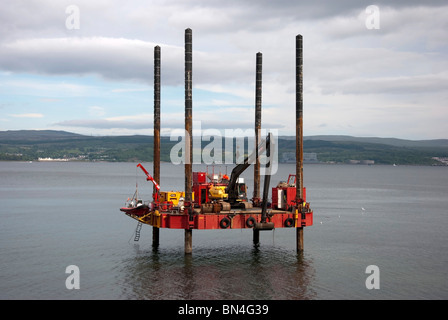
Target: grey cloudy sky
[[387, 82]]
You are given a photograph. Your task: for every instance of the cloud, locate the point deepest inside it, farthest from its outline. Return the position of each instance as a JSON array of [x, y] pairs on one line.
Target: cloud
[[108, 57], [97, 111], [224, 57], [117, 59], [406, 85], [27, 115], [104, 124], [45, 88], [50, 100], [211, 119], [136, 122], [120, 90]]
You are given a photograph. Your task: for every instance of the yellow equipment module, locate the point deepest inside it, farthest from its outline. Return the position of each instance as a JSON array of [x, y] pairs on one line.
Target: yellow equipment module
[[218, 192], [173, 196]]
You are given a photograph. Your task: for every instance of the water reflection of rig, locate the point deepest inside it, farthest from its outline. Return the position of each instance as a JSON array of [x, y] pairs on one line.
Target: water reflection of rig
[[219, 201]]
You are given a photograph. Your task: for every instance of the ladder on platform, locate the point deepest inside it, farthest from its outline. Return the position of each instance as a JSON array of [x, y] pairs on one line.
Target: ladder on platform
[[137, 231]]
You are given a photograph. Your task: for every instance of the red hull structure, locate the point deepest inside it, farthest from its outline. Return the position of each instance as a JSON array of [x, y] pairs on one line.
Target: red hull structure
[[138, 211], [228, 220]]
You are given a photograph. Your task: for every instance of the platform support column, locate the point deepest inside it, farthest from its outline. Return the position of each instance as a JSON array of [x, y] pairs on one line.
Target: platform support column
[[188, 241], [155, 236], [299, 235], [188, 133], [299, 134], [156, 230], [256, 236], [258, 83]]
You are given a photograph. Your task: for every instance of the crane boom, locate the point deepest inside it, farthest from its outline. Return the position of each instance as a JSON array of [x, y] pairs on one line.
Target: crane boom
[[148, 176], [232, 189]]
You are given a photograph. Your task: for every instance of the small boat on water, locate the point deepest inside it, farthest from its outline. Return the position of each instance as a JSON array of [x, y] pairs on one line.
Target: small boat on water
[[138, 210], [135, 206]]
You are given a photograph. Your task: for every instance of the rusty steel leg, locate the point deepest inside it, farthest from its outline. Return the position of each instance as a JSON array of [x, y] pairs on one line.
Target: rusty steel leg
[[188, 241], [258, 84], [299, 235], [156, 173], [188, 132], [188, 116], [156, 160], [299, 134], [299, 119]]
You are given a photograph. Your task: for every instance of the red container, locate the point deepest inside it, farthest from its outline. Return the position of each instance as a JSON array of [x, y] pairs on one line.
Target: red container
[[198, 177]]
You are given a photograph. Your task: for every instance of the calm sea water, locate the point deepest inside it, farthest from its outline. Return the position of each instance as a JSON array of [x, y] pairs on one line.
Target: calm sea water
[[53, 215]]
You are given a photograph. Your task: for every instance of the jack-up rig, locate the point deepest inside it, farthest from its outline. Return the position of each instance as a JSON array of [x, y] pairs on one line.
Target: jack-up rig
[[221, 202]]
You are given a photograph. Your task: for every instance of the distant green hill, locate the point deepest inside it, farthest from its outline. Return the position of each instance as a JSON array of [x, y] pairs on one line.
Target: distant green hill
[[443, 143], [29, 145], [17, 136]]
